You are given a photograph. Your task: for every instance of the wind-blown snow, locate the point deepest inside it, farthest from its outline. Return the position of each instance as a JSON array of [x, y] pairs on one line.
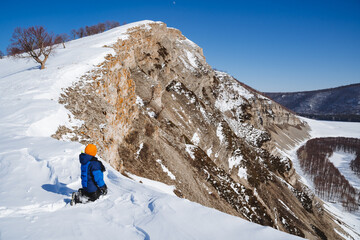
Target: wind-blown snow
[[48, 125], [38, 173]]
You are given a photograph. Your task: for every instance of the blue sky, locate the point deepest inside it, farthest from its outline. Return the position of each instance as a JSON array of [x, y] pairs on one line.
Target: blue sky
[[271, 45]]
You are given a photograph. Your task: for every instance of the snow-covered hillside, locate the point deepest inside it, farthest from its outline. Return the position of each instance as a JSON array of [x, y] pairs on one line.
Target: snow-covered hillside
[[38, 173], [341, 103]]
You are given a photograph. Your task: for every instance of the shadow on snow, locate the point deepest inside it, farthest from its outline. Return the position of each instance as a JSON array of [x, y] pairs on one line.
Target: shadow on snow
[[58, 188]]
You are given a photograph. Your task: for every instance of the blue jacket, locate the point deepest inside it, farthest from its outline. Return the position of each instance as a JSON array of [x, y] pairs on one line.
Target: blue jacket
[[92, 176]]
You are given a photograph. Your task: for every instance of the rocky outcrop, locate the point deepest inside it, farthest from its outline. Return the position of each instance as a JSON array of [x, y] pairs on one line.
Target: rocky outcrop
[[156, 109]]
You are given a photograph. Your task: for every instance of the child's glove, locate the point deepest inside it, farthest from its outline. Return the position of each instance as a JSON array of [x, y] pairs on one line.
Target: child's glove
[[103, 190]]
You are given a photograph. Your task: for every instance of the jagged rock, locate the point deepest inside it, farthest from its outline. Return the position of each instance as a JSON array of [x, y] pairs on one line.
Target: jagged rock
[[156, 104]]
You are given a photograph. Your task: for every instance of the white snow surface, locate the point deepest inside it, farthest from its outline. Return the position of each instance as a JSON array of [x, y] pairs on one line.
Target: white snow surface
[[139, 101], [192, 58], [333, 129], [38, 173], [190, 150], [219, 133], [242, 173], [209, 152], [338, 158], [235, 160], [196, 139], [342, 160]]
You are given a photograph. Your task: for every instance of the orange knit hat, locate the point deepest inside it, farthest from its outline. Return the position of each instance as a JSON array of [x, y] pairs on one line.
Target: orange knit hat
[[91, 150]]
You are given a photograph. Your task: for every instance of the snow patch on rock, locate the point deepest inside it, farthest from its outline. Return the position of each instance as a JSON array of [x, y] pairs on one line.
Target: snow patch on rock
[[219, 133], [192, 59], [209, 152], [196, 139], [235, 161], [190, 149], [166, 170], [242, 173], [139, 150], [139, 101]]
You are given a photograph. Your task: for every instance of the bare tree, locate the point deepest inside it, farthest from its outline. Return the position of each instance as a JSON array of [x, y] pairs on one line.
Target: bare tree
[[111, 24], [92, 30], [61, 38], [81, 32], [35, 42], [115, 24], [1, 54], [74, 33], [101, 27]]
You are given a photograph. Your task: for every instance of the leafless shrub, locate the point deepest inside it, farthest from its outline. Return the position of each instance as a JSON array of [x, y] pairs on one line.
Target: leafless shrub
[[81, 32], [61, 39], [73, 33], [94, 29], [111, 24]]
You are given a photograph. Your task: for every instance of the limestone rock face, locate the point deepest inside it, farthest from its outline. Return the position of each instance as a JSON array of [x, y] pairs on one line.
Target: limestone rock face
[[156, 109]]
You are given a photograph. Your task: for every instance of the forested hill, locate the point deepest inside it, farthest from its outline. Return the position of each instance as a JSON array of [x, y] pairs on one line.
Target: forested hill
[[339, 104]]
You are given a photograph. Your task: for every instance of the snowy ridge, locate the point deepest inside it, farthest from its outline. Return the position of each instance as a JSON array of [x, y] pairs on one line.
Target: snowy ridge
[[38, 173]]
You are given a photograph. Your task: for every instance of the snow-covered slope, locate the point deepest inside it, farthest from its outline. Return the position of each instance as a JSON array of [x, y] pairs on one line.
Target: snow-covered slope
[[38, 173]]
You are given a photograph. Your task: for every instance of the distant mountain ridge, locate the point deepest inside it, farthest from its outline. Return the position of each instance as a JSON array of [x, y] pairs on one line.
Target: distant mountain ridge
[[339, 104]]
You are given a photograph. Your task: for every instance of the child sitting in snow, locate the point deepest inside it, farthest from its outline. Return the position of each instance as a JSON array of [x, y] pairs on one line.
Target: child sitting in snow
[[92, 178]]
